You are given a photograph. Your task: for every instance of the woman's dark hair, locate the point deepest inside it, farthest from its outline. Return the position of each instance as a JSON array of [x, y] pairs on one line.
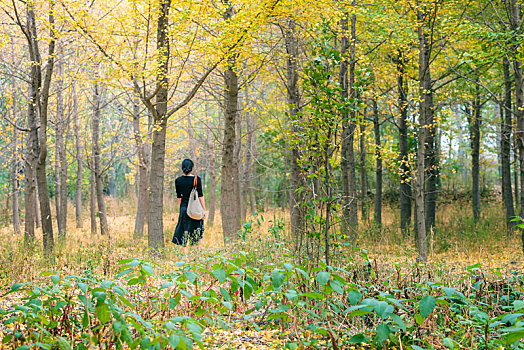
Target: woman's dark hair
[[187, 166]]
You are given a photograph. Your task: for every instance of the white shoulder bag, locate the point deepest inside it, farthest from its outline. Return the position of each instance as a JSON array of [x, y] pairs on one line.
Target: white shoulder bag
[[194, 207]]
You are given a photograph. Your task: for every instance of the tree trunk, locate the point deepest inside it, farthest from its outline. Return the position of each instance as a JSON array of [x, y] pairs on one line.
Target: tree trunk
[[474, 131], [211, 205], [363, 175], [248, 173], [230, 200], [378, 165], [104, 229], [155, 225], [38, 215], [60, 157], [505, 146], [405, 171], [349, 182], [92, 199], [143, 151], [241, 165], [79, 163], [37, 119], [293, 100], [519, 97], [425, 118], [15, 177]]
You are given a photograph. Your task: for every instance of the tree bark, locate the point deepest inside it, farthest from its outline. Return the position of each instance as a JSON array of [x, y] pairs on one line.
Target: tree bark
[[211, 205], [230, 200], [15, 176], [101, 213], [250, 145], [155, 225], [474, 119], [515, 26], [505, 146], [60, 156], [41, 88], [378, 166], [425, 118], [293, 100], [92, 199], [143, 151], [79, 162], [363, 175], [405, 171], [349, 180]]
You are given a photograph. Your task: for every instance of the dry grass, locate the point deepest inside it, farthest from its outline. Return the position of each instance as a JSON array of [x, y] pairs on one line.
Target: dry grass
[[457, 242]]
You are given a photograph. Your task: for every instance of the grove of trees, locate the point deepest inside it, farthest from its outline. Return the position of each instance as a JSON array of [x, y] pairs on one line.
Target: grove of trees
[[326, 109]]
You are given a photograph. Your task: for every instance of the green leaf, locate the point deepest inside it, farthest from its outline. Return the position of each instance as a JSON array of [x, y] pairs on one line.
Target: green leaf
[[323, 277], [103, 313], [220, 275], [358, 339], [337, 286], [514, 336], [63, 344], [427, 305], [448, 342], [173, 340], [288, 266], [354, 297], [225, 294], [55, 279], [277, 278], [382, 333], [416, 347], [16, 286], [191, 276], [518, 304]]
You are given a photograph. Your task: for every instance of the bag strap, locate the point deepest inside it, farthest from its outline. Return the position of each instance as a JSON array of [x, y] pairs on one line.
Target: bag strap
[[195, 182]]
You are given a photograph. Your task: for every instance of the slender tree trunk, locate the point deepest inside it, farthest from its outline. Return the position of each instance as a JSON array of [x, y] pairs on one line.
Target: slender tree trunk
[[38, 213], [474, 130], [248, 173], [505, 146], [143, 170], [104, 229], [79, 163], [363, 175], [191, 138], [37, 117], [211, 205], [15, 177], [155, 225], [60, 157], [405, 171], [92, 199], [241, 165], [378, 165], [424, 124], [293, 100], [349, 183], [516, 25], [230, 200]]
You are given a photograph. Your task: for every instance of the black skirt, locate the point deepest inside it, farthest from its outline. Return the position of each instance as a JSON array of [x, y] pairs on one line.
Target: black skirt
[[187, 228]]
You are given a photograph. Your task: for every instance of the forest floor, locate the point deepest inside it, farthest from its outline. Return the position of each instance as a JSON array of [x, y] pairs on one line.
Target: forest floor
[[459, 247]]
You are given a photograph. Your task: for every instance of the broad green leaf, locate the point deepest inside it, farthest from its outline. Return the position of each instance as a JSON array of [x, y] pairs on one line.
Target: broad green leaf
[[382, 333], [220, 275], [62, 344], [103, 313], [427, 305], [323, 277], [354, 297], [277, 278]]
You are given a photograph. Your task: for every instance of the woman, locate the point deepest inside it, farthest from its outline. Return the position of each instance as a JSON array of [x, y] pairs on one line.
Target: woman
[[187, 227]]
